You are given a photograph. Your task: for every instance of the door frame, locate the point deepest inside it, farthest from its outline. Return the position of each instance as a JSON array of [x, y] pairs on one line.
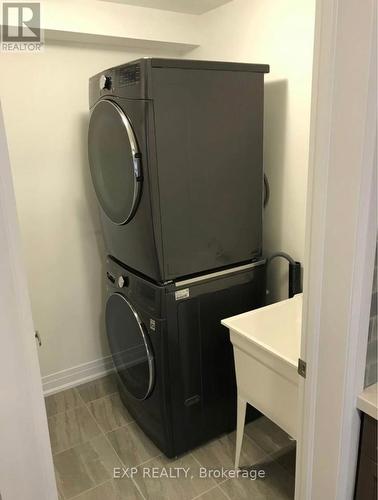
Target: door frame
[[26, 470], [340, 246]]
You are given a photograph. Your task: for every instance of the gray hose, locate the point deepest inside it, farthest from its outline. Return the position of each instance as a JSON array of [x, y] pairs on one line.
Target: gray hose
[[295, 272], [283, 255]]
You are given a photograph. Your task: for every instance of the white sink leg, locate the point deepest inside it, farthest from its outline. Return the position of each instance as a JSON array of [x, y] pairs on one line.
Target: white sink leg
[[242, 406]]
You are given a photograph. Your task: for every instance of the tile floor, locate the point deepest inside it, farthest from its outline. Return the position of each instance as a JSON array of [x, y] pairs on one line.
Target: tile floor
[[92, 433]]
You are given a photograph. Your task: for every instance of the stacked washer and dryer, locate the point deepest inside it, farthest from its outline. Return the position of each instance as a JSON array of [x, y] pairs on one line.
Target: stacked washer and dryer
[[176, 158]]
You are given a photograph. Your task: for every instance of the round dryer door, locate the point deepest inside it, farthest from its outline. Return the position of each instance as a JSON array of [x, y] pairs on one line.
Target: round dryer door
[[130, 346], [115, 161]]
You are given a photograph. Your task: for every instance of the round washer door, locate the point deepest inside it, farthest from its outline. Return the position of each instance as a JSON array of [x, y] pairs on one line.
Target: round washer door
[[115, 161], [130, 346]]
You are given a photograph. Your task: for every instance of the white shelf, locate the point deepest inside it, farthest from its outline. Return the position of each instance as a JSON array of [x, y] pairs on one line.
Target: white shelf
[[183, 6], [116, 41]]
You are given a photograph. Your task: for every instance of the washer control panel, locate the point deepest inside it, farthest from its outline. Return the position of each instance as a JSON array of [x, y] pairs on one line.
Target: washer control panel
[[122, 281]]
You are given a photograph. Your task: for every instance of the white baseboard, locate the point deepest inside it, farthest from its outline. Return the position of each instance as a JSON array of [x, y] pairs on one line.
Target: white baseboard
[[76, 375]]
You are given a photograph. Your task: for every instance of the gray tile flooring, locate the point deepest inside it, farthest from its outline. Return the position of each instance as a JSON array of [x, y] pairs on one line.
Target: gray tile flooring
[[92, 433]]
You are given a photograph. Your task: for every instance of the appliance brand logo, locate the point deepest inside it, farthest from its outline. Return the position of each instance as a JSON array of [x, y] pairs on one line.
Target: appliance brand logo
[[182, 294], [21, 27]]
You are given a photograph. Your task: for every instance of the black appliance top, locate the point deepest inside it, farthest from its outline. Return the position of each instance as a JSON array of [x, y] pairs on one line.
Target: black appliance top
[[133, 79], [155, 62]]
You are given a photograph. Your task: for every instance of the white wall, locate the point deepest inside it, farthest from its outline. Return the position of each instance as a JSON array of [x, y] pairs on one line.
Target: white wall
[[279, 33], [45, 104], [110, 19]]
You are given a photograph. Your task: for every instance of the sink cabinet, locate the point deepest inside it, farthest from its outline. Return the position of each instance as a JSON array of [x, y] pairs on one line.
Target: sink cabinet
[[366, 483]]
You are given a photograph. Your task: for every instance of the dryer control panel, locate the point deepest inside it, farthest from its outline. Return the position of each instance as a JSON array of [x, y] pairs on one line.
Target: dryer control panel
[[129, 75]]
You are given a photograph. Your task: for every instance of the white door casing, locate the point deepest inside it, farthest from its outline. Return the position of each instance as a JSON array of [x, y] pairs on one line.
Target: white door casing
[[340, 245]]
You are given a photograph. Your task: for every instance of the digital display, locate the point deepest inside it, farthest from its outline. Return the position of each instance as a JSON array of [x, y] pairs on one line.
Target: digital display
[[129, 75]]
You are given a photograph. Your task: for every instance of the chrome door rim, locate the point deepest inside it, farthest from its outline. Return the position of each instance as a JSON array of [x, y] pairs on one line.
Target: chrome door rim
[[137, 168], [150, 357]]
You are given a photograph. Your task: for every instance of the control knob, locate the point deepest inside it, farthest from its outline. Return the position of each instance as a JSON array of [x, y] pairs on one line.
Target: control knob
[[105, 82], [122, 281]]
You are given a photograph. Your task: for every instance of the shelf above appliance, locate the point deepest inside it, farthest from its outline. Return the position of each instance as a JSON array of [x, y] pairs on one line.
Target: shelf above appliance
[[183, 6], [53, 35]]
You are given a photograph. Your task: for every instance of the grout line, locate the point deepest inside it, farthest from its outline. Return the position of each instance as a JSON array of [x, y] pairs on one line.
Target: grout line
[[149, 460], [265, 455], [81, 442], [271, 458], [214, 481], [74, 446], [80, 397], [204, 492], [64, 411], [61, 495], [222, 490], [89, 489], [119, 458], [115, 451], [117, 428], [256, 445], [196, 459], [201, 465], [97, 399], [213, 487], [90, 413], [223, 481], [269, 455], [102, 429], [67, 409]]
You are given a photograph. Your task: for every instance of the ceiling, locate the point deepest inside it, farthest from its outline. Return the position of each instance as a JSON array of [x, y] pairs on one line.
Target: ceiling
[[185, 6]]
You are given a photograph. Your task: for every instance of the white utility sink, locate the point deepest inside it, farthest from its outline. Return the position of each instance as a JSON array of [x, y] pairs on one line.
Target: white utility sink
[[266, 345]]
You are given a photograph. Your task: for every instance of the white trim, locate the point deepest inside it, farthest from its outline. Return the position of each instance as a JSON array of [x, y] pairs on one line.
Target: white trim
[[76, 375], [320, 127], [340, 244]]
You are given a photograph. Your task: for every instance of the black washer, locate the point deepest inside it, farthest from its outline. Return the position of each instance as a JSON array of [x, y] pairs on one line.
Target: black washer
[[173, 357]]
